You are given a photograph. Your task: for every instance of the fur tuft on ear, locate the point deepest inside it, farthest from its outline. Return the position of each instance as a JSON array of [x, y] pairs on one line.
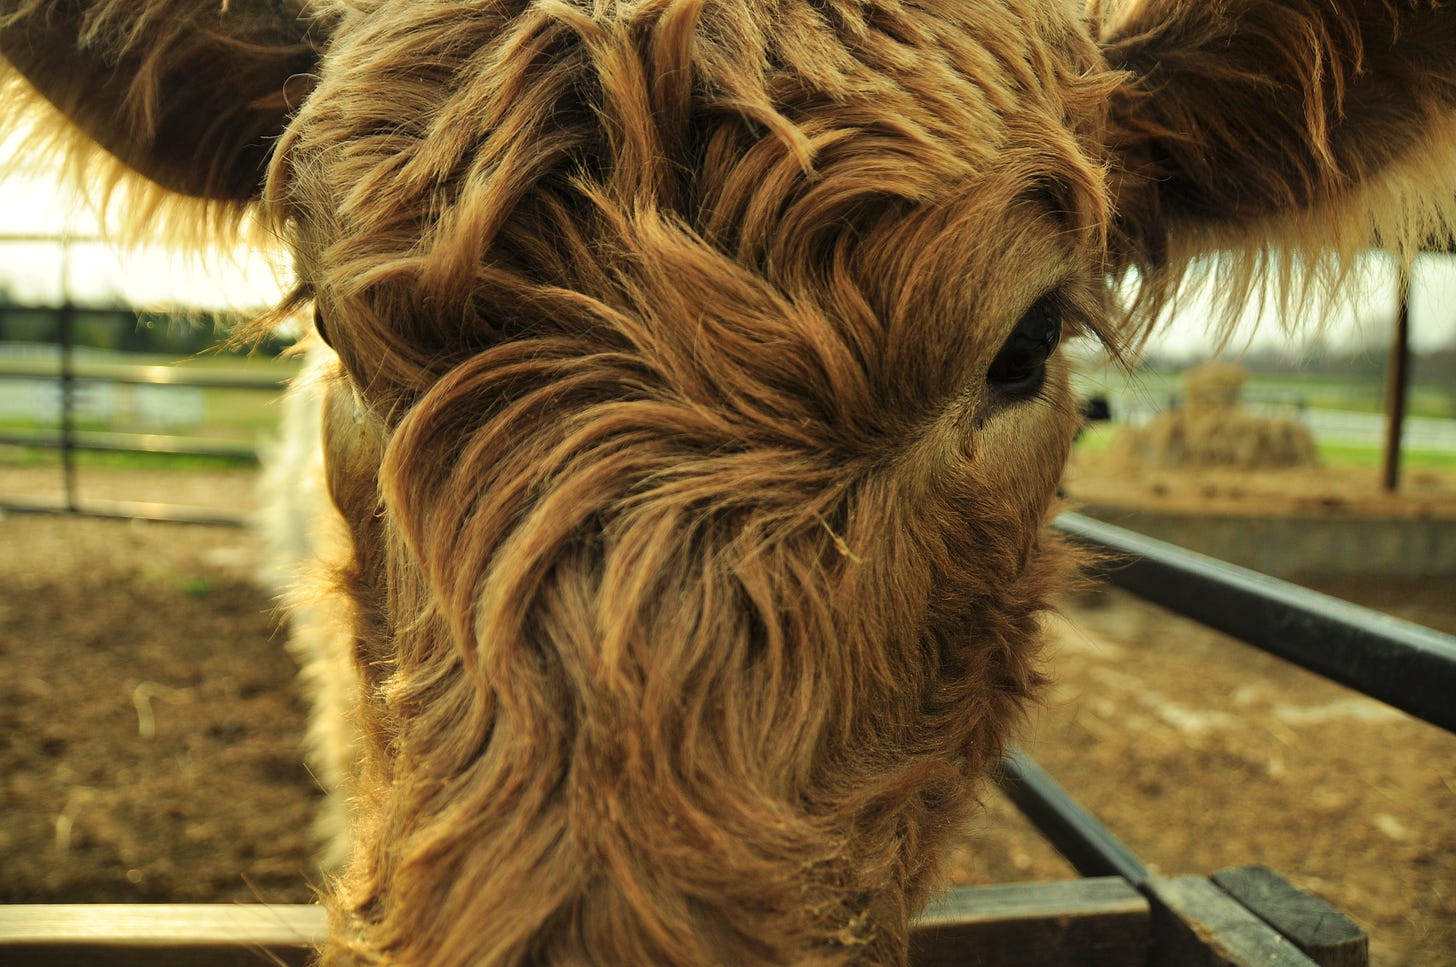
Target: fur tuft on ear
[[166, 111], [1287, 136]]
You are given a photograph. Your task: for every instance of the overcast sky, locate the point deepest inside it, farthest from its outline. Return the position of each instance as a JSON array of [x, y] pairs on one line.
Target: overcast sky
[[30, 204]]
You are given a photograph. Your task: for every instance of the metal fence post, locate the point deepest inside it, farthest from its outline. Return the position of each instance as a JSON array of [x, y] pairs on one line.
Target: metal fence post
[[66, 320]]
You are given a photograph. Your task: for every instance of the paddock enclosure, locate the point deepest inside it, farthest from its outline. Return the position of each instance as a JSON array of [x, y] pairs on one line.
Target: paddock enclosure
[[1199, 753]]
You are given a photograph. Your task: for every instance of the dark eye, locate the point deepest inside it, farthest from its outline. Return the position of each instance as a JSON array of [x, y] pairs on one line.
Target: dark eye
[[318, 324], [1020, 367]]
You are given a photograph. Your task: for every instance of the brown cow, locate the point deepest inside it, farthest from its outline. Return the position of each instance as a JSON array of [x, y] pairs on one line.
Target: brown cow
[[697, 408]]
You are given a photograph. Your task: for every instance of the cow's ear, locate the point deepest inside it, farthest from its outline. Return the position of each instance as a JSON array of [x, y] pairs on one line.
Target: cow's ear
[[1270, 126], [190, 94]]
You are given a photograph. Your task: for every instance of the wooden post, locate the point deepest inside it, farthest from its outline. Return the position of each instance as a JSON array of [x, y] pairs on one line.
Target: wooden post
[[1195, 924], [1395, 387], [1321, 931]]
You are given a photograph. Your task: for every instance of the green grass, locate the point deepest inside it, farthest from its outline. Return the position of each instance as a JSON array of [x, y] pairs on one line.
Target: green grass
[[1345, 455], [198, 587], [1096, 438], [12, 456]]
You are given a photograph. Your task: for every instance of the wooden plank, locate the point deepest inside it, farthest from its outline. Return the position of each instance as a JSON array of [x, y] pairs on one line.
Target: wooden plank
[[159, 935], [1195, 924], [1318, 928], [1100, 922]]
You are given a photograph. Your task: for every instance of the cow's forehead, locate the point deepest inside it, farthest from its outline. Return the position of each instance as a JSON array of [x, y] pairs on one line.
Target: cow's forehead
[[969, 74], [424, 90]]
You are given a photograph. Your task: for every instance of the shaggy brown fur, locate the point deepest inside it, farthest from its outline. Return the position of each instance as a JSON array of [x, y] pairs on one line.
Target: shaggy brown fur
[[696, 562]]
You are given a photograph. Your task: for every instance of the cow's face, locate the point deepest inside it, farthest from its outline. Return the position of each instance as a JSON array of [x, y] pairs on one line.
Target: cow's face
[[848, 234], [716, 357]]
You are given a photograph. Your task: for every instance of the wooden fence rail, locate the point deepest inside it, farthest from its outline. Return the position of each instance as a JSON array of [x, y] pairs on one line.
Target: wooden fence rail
[[1099, 922]]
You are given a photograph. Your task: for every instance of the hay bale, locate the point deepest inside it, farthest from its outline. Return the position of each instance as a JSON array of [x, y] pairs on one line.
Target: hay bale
[[1211, 429], [1214, 386]]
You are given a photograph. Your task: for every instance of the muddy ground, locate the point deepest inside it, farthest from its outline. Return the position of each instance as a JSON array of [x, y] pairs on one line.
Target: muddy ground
[[149, 734]]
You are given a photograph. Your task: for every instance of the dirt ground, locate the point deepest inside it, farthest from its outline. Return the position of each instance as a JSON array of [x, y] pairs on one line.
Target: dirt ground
[[149, 734]]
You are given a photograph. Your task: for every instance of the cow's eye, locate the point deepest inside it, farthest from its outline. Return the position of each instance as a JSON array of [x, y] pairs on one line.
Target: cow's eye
[[1020, 367], [318, 325]]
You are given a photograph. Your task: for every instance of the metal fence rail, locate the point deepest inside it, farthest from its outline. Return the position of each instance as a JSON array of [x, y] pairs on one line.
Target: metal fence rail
[[1400, 663], [117, 442], [1079, 836], [1408, 666], [69, 439]]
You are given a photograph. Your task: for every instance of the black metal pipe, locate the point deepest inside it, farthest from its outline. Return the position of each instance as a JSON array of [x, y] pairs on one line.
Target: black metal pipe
[[157, 376], [123, 510], [1398, 662], [1075, 833], [66, 320], [1397, 388]]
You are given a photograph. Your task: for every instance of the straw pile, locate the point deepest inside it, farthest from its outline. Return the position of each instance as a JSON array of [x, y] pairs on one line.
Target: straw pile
[[1211, 429]]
